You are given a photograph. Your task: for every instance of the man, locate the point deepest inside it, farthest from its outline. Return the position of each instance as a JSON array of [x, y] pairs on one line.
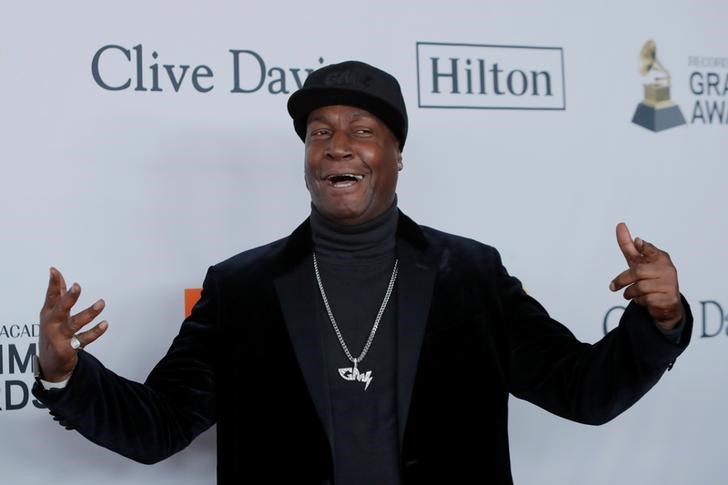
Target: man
[[363, 348]]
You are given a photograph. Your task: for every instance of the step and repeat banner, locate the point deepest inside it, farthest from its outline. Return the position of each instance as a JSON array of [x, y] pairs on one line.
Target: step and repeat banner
[[142, 142]]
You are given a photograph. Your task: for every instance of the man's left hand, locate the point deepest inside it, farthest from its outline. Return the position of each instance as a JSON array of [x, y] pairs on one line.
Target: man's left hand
[[651, 279]]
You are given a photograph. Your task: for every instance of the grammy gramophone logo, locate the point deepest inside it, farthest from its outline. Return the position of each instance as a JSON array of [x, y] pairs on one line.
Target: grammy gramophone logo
[[656, 112]]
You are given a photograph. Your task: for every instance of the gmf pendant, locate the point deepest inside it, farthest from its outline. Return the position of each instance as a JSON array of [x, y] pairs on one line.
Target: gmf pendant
[[353, 374]]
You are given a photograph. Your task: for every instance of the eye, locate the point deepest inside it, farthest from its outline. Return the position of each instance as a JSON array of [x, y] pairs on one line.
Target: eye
[[363, 131], [318, 132]]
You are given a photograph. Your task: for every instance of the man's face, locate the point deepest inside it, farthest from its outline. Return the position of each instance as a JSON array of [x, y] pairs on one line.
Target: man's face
[[352, 161]]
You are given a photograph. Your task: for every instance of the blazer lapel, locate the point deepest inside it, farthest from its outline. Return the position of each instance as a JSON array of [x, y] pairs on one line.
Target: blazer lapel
[[416, 283], [297, 297]]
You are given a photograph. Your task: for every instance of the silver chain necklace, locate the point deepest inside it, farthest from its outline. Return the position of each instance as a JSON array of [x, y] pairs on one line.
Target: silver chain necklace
[[353, 373]]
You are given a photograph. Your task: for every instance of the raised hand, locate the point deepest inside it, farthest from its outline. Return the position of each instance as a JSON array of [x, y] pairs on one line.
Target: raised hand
[[651, 279], [57, 347]]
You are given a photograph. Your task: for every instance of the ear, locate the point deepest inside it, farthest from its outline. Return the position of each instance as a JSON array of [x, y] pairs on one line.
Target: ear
[[399, 162]]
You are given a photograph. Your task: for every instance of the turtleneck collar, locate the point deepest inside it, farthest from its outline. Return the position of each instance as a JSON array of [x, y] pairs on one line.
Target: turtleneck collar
[[365, 243]]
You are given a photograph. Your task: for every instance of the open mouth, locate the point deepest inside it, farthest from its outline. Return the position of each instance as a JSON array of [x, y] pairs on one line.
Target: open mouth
[[341, 180]]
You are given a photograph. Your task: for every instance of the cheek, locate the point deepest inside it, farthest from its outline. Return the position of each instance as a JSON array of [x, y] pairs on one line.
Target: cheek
[[388, 168], [377, 158], [395, 176], [308, 173], [309, 165], [392, 180], [384, 183]]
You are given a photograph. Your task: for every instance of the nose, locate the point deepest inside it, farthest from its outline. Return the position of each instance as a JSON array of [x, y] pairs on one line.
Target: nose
[[339, 146]]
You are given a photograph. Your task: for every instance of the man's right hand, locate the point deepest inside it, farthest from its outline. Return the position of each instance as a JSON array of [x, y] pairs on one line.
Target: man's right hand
[[57, 327]]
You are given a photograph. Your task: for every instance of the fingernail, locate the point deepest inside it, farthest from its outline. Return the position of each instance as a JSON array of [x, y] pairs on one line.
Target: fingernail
[[612, 286], [99, 305], [104, 325], [74, 288]]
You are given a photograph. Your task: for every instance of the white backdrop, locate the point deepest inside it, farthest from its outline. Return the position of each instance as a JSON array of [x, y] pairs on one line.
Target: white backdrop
[[135, 193]]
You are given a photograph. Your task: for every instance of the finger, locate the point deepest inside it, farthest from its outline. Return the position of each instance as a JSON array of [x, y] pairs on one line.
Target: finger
[[90, 336], [53, 293], [626, 244], [69, 298], [649, 251], [623, 279], [641, 271], [84, 317], [643, 288], [62, 281]]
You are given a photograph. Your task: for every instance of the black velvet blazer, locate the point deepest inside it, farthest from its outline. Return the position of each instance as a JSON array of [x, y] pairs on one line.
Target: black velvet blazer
[[250, 358]]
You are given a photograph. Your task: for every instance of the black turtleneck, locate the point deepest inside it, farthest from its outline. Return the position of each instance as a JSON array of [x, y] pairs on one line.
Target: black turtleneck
[[355, 264]]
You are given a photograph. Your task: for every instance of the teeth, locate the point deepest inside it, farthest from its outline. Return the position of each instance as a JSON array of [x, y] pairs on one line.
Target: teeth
[[344, 178]]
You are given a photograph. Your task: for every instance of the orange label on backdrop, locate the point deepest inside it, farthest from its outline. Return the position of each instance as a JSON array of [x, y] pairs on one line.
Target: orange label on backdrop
[[192, 295]]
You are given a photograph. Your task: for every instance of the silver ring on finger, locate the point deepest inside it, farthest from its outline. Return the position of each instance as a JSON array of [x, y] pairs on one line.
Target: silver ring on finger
[[76, 343]]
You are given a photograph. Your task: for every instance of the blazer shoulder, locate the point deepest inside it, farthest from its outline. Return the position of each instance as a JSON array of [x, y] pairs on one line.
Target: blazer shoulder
[[267, 261], [256, 261], [460, 247]]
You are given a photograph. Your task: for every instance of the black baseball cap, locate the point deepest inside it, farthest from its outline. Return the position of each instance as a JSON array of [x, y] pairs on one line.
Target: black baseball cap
[[351, 83]]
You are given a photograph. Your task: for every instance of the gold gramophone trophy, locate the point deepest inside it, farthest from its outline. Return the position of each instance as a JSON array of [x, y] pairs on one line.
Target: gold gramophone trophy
[[656, 112]]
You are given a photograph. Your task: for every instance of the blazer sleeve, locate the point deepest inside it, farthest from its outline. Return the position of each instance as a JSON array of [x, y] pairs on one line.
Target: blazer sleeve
[[588, 383], [151, 421]]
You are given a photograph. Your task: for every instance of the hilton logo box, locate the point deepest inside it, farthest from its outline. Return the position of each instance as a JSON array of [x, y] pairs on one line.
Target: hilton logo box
[[490, 76]]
